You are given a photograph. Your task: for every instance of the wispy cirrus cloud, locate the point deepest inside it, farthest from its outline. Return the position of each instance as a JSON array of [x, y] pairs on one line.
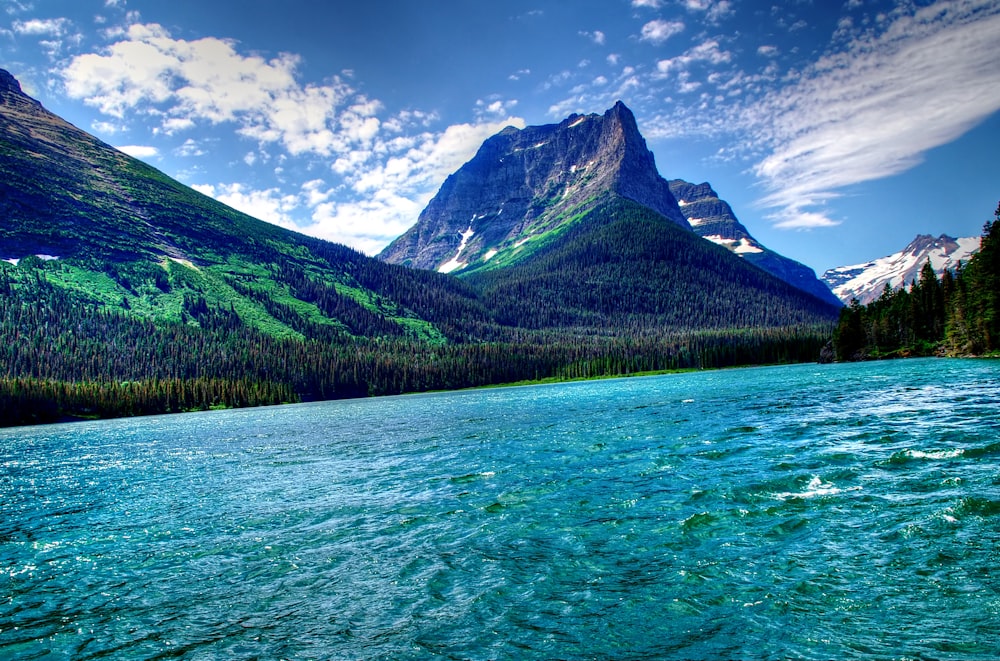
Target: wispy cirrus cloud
[[875, 108]]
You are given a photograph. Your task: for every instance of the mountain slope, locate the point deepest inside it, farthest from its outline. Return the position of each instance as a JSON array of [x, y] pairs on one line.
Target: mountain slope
[[713, 219], [525, 185], [624, 269], [867, 281], [117, 232]]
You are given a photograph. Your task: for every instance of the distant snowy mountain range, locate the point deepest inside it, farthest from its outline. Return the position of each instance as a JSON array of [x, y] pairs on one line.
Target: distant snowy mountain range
[[866, 282]]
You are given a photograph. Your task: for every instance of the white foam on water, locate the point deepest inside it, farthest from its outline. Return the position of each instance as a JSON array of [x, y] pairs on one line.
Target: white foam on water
[[934, 454], [816, 487]]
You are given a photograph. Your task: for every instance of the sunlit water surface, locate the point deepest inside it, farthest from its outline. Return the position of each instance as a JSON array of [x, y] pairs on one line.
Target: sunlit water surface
[[816, 512]]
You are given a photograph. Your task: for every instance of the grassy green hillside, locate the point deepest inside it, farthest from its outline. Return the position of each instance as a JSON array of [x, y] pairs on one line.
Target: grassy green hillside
[[126, 236]]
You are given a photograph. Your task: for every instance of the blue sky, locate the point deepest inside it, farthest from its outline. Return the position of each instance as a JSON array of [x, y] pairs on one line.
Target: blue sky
[[836, 130]]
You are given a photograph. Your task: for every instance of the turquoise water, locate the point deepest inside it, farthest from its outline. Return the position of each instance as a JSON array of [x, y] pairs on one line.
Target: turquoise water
[[814, 512]]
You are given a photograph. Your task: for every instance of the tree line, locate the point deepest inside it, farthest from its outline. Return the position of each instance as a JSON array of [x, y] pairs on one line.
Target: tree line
[[62, 359], [956, 314]]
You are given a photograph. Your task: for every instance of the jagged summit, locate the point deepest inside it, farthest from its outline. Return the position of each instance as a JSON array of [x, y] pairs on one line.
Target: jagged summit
[[524, 184], [12, 95]]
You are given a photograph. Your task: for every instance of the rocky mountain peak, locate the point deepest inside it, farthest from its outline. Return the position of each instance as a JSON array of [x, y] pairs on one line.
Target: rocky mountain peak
[[524, 184], [13, 96]]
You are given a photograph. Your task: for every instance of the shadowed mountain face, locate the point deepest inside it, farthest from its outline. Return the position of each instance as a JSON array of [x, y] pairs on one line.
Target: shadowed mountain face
[[713, 219], [525, 186]]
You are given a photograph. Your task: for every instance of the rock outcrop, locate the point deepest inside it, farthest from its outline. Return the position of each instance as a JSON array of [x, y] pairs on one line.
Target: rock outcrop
[[524, 184]]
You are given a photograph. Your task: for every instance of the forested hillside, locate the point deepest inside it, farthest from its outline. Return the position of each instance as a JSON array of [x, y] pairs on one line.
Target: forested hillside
[[956, 314], [64, 356], [124, 292], [625, 268]]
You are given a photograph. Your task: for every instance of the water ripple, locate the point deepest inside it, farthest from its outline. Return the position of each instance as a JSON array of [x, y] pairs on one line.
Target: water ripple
[[813, 512]]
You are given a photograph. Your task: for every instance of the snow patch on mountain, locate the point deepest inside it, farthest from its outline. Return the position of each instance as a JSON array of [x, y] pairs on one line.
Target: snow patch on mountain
[[866, 282], [739, 246], [453, 263]]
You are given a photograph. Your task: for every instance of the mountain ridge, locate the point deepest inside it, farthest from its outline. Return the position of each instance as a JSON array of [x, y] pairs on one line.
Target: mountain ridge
[[712, 218], [866, 281]]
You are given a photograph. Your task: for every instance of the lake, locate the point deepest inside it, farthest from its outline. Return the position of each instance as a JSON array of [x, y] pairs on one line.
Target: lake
[[808, 511]]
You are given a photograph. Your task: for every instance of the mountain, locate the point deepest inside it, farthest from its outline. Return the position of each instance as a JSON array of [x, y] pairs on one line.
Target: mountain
[[115, 232], [524, 187], [624, 269], [867, 281], [713, 219], [124, 292]]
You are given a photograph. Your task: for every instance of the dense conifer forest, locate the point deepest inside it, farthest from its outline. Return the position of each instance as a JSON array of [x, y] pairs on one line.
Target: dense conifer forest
[[124, 292], [956, 314], [65, 356]]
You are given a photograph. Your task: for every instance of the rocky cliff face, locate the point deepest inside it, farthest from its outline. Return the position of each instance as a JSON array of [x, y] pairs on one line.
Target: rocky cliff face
[[713, 219], [867, 281], [525, 184]]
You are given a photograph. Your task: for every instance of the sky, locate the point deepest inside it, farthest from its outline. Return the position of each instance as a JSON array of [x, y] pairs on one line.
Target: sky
[[837, 130]]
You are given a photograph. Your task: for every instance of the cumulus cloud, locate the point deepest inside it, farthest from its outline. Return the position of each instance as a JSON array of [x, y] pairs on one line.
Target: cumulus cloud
[[659, 30], [652, 4], [873, 109], [140, 151], [207, 80], [270, 204]]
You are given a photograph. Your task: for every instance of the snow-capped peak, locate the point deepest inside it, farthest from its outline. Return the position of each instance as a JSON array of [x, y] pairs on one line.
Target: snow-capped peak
[[866, 282]]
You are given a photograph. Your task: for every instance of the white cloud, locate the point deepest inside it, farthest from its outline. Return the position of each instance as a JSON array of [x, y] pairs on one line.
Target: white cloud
[[658, 31], [714, 9], [14, 7], [383, 170], [269, 205], [767, 51], [596, 36], [652, 4], [873, 109], [50, 27], [496, 108], [707, 51], [140, 151], [207, 80], [107, 128], [190, 148]]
